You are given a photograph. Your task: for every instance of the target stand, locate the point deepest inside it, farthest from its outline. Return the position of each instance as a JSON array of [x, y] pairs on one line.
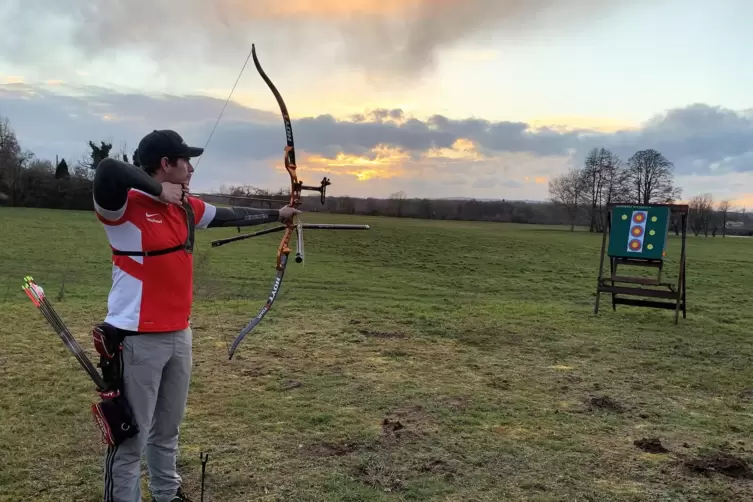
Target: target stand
[[637, 237]]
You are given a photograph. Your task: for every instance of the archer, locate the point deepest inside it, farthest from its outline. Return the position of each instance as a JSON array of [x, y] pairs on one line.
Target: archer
[[149, 219]]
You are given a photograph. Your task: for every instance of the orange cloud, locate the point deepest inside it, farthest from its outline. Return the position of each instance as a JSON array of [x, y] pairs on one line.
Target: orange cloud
[[570, 123], [746, 200], [539, 180], [323, 8], [463, 148], [14, 79], [387, 162]]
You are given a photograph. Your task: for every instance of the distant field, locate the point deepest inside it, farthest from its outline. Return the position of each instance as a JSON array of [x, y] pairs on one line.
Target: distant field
[[419, 360]]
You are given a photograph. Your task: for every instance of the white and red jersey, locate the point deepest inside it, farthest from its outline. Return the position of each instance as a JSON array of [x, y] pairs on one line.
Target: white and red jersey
[[151, 293]]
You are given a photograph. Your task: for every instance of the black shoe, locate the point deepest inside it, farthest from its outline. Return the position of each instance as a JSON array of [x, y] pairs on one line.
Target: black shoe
[[179, 497]]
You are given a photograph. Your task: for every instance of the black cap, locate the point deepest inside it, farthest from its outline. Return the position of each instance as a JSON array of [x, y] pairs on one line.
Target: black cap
[[163, 143]]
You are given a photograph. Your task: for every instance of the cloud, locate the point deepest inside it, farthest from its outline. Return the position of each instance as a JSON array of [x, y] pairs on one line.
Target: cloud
[[380, 151], [398, 37]]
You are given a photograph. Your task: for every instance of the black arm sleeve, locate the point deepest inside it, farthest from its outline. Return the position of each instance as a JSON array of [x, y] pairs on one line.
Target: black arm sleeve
[[243, 217], [112, 180]]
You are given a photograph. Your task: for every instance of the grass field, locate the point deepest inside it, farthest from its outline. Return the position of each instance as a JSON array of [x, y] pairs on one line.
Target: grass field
[[419, 360]]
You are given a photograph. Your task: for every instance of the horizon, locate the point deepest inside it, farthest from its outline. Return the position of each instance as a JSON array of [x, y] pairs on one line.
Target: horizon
[[476, 99]]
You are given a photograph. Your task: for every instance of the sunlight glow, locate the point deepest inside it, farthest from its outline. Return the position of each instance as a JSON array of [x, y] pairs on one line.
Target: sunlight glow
[[325, 8], [386, 163], [463, 148]]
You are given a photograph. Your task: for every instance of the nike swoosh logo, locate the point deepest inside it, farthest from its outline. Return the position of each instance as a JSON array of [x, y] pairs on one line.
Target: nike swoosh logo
[[150, 215]]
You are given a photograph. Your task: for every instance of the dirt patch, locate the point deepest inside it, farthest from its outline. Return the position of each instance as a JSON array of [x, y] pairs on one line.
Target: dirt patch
[[255, 372], [330, 449], [404, 424], [381, 334], [458, 403], [380, 475], [722, 463], [289, 385], [440, 466], [650, 445], [746, 394], [500, 383], [605, 403], [390, 426], [276, 353]]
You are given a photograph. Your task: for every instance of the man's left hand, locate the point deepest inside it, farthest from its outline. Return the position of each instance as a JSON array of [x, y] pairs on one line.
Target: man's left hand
[[287, 213]]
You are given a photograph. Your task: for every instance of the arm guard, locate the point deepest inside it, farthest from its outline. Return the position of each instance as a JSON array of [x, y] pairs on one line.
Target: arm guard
[[243, 217]]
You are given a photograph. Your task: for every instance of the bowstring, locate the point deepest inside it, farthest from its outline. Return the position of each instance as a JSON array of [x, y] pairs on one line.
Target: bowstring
[[224, 106], [211, 133]]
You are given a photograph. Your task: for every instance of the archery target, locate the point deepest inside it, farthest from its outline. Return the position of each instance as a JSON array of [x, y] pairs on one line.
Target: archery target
[[637, 231]]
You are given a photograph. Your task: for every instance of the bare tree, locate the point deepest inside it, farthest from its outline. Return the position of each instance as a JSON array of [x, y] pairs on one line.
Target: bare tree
[[592, 180], [650, 178], [122, 154], [567, 190], [11, 160], [723, 211], [604, 181], [398, 202], [701, 207]]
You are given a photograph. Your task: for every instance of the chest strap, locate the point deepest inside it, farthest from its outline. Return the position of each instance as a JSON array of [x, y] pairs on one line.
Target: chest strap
[[187, 245]]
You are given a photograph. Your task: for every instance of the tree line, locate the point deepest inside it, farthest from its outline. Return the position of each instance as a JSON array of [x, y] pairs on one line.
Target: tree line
[[646, 178], [28, 181], [577, 198]]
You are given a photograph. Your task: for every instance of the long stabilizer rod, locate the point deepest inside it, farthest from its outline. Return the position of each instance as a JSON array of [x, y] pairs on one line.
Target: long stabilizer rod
[[312, 226]]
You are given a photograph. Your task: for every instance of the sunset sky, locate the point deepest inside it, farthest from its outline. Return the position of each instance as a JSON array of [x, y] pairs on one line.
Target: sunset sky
[[472, 98]]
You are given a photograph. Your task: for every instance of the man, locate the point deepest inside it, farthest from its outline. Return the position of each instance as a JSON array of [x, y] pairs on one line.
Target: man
[[145, 210]]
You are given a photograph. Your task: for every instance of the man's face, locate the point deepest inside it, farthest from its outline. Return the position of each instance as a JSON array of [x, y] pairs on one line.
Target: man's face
[[180, 172]]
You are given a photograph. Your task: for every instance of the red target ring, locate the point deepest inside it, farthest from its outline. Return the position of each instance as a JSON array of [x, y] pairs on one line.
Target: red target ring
[[636, 231], [635, 244], [639, 217]]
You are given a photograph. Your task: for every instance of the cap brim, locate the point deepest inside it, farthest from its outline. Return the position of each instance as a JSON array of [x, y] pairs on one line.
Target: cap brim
[[194, 151]]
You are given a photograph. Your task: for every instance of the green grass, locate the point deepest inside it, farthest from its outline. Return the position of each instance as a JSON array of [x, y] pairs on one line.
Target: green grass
[[479, 339]]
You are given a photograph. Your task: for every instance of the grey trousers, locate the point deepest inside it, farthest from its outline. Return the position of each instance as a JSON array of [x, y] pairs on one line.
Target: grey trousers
[[156, 376]]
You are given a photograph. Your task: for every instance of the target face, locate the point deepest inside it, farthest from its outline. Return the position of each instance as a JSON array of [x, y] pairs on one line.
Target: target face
[[637, 231]]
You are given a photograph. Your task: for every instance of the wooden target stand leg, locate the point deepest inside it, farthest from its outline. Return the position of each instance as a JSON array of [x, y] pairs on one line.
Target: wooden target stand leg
[[639, 240]]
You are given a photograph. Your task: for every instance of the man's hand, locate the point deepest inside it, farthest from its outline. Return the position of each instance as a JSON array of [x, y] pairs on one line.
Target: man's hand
[[287, 213], [171, 193]]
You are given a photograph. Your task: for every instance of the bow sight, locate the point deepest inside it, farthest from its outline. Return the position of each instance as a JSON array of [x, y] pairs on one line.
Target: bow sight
[[298, 186]]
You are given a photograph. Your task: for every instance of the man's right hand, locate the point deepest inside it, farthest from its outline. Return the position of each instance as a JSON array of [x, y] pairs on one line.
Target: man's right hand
[[171, 193]]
